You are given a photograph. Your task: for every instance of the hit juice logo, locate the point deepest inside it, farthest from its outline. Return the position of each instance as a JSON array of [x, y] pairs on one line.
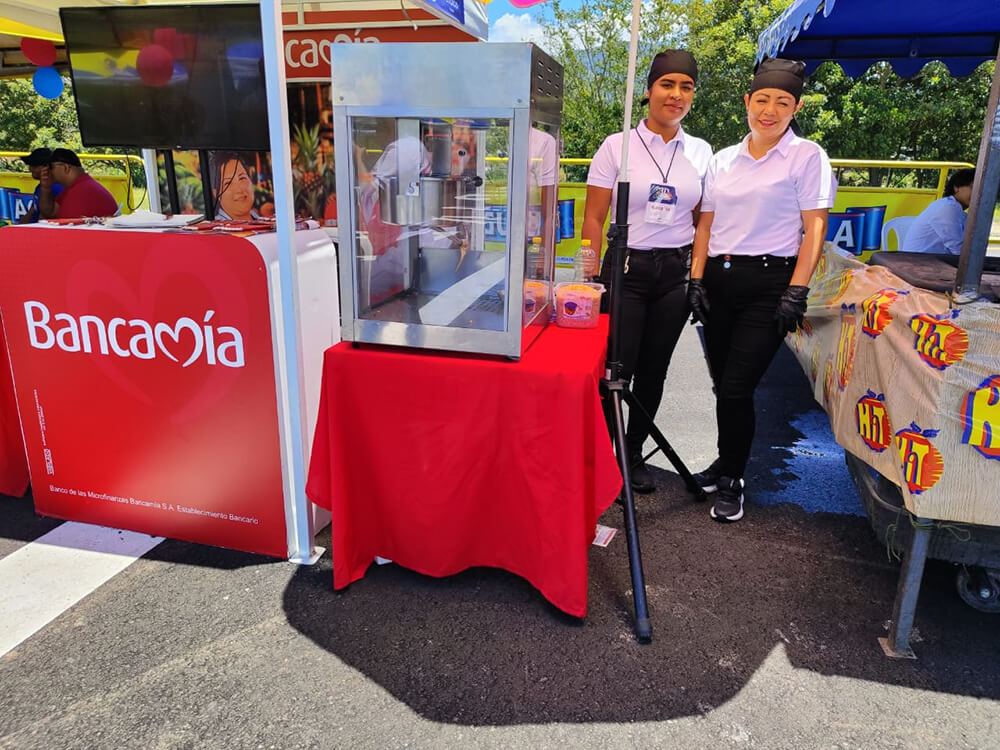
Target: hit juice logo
[[872, 421], [981, 417], [921, 461], [876, 316], [938, 341]]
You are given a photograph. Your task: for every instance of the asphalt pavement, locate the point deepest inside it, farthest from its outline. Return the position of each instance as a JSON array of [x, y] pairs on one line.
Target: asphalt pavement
[[764, 631]]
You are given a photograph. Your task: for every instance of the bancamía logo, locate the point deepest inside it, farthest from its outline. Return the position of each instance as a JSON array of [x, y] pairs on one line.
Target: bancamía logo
[[921, 461], [872, 421], [981, 417], [939, 342], [134, 338], [876, 311]]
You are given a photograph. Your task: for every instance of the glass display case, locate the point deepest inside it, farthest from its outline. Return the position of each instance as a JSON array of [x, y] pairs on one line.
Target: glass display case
[[450, 155]]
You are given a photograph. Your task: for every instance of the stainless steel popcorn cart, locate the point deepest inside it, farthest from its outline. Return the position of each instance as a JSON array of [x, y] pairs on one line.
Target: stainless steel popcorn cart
[[447, 171]]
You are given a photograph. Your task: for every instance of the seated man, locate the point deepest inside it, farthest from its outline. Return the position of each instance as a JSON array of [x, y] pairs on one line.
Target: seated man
[[940, 226], [82, 196], [38, 161]]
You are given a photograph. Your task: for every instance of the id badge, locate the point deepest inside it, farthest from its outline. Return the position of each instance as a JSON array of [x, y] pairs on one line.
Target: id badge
[[534, 221], [661, 208]]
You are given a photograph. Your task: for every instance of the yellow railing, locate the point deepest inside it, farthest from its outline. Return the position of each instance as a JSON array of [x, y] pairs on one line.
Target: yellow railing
[[130, 165]]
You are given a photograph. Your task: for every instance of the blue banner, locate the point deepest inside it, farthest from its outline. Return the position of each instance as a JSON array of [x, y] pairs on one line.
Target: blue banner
[[453, 8]]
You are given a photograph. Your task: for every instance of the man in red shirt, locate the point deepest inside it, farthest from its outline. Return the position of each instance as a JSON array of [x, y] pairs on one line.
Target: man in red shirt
[[82, 196]]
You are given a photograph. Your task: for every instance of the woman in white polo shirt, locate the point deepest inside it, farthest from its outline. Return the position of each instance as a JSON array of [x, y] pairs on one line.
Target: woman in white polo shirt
[[665, 171], [759, 237]]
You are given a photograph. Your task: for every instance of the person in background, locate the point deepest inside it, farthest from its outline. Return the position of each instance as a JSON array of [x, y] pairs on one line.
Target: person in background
[[82, 196], [654, 303], [759, 238], [940, 226], [38, 161], [232, 188]]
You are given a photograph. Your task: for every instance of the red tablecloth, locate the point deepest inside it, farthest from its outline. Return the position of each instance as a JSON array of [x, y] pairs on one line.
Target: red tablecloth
[[13, 462], [441, 462]]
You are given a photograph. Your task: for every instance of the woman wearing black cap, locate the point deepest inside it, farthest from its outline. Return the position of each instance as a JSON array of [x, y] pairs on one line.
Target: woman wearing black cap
[[760, 234], [666, 169]]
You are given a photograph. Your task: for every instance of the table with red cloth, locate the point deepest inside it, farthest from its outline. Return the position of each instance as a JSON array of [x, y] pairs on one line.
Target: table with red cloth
[[13, 462], [442, 462]]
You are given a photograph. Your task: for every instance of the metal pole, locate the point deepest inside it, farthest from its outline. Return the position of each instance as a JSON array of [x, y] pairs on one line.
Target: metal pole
[[299, 515], [897, 645], [984, 197], [168, 166], [152, 179]]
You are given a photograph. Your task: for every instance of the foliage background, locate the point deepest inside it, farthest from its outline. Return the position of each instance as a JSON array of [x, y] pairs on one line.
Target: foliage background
[[932, 116]]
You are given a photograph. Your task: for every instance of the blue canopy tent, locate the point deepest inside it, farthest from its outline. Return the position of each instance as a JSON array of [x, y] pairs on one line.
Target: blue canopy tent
[[858, 33]]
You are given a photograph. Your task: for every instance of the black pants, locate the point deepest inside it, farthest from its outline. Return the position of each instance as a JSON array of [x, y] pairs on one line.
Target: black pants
[[741, 339], [654, 309]]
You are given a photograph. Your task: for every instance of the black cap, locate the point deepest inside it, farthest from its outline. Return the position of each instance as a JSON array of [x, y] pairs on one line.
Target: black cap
[[778, 73], [38, 158], [65, 156], [671, 61]]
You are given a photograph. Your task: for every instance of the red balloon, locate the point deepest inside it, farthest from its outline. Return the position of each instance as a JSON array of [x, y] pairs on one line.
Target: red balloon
[[155, 65], [41, 52]]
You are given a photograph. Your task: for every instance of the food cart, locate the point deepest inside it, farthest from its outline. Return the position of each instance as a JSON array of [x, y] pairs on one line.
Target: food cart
[[266, 278], [902, 353]]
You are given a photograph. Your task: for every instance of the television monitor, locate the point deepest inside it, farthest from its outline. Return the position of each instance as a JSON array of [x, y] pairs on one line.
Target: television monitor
[[178, 76]]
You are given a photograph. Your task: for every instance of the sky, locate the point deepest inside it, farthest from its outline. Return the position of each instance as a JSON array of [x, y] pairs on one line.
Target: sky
[[509, 23]]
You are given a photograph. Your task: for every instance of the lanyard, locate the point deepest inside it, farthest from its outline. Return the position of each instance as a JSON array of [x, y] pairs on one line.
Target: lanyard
[[656, 163]]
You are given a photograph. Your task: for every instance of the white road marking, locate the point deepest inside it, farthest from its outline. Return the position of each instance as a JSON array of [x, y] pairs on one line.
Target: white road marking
[[41, 580]]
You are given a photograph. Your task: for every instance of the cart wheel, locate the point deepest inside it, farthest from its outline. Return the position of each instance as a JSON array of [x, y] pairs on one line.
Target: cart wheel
[[979, 588]]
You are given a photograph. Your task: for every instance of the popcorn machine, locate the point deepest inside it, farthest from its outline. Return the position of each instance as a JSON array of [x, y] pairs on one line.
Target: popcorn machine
[[449, 153]]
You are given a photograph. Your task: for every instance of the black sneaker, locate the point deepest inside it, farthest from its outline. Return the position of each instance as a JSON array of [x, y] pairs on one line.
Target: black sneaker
[[708, 479], [728, 505], [642, 480]]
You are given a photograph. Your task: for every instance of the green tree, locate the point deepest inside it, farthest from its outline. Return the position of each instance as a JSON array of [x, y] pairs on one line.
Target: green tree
[[591, 42], [722, 35], [29, 121]]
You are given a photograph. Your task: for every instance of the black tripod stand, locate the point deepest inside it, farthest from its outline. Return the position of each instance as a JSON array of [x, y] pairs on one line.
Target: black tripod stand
[[617, 390]]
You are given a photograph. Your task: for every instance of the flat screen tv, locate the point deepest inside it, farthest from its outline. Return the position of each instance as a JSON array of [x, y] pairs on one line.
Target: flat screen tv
[[178, 76]]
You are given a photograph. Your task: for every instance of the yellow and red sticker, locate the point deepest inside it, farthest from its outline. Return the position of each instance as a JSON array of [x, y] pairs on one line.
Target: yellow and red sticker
[[939, 342], [872, 421], [981, 417], [921, 462], [846, 345], [876, 311]]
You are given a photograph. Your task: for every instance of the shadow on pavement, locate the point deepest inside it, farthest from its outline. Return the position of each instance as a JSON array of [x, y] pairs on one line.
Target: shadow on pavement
[[484, 648], [20, 522]]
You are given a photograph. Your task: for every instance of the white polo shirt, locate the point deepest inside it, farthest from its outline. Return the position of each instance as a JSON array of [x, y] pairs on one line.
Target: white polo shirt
[[757, 202], [938, 228], [686, 175]]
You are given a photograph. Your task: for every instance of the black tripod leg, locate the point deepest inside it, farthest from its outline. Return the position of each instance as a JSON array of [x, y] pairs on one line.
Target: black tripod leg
[[635, 408], [643, 627]]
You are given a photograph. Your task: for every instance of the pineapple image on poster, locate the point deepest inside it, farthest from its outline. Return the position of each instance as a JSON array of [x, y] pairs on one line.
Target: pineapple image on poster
[[876, 316], [314, 179]]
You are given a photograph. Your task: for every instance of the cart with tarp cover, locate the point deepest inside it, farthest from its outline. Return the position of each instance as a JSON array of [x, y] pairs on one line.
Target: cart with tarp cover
[[903, 352]]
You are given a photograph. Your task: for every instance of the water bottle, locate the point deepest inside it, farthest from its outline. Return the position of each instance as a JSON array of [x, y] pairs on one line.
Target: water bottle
[[536, 259], [584, 262]]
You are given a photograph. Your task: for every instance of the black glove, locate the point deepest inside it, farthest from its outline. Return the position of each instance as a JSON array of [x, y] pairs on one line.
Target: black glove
[[791, 309], [698, 301]]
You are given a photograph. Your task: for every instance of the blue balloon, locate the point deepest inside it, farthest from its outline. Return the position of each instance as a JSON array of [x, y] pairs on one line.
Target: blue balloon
[[48, 82]]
